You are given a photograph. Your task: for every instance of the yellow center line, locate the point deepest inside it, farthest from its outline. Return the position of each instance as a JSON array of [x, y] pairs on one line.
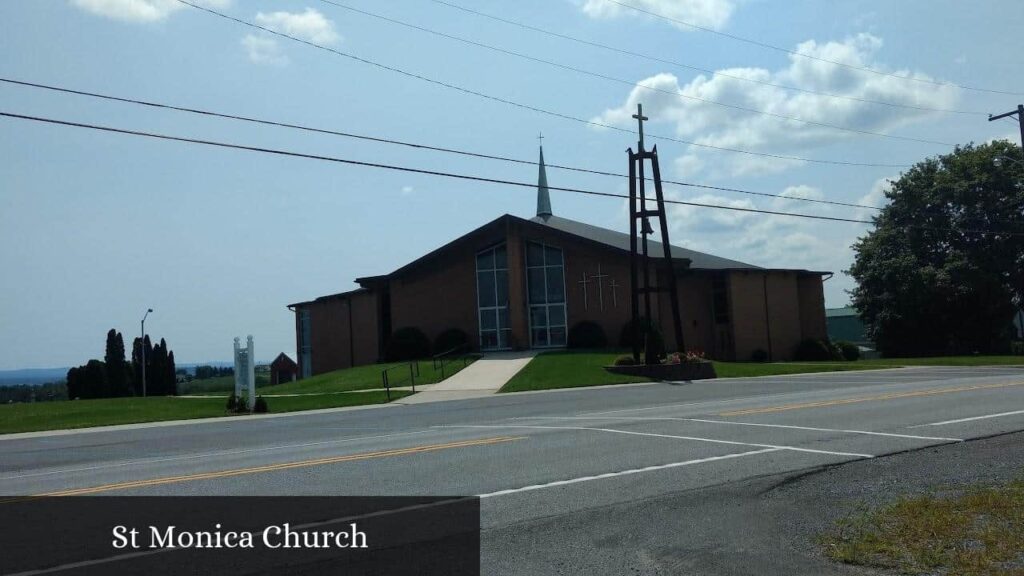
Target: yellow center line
[[892, 396], [275, 467]]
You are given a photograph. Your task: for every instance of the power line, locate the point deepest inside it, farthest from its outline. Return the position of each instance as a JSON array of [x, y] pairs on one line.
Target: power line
[[630, 83], [527, 106], [458, 176], [382, 140], [805, 55], [698, 68]]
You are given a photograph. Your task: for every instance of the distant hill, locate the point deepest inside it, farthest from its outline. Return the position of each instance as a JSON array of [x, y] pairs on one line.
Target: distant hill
[[44, 375], [32, 375]]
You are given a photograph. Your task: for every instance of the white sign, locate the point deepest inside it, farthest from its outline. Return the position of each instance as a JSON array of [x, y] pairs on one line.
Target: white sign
[[245, 372]]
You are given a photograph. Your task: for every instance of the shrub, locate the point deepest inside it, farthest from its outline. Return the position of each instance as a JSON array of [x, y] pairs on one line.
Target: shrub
[[814, 350], [407, 343], [626, 336], [450, 338], [848, 350], [759, 355], [655, 339], [586, 334], [232, 403], [625, 360], [261, 406]]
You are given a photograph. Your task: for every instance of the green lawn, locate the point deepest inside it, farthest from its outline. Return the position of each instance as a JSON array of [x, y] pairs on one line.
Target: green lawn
[[571, 369], [363, 378], [105, 412], [979, 531], [567, 369], [217, 384]]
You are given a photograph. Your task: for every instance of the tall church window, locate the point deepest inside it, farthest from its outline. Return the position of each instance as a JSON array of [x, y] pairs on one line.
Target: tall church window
[[305, 343], [492, 298], [545, 286]]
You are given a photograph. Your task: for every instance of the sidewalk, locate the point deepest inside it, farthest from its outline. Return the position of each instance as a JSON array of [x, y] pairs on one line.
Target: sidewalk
[[481, 378]]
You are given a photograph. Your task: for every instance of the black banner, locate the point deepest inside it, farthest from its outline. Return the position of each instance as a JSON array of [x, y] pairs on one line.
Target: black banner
[[240, 535]]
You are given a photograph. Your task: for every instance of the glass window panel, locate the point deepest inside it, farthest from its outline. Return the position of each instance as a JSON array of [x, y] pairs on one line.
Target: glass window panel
[[540, 337], [535, 280], [553, 256], [534, 254], [556, 286], [502, 318], [557, 336], [501, 280], [488, 320], [538, 316], [485, 260], [485, 286], [488, 339], [556, 315], [503, 338], [500, 257]]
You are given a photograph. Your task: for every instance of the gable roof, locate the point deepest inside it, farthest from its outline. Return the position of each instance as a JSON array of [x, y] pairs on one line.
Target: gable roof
[[604, 236], [620, 240]]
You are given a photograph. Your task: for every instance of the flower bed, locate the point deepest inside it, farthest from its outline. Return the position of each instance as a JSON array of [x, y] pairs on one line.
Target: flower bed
[[676, 367]]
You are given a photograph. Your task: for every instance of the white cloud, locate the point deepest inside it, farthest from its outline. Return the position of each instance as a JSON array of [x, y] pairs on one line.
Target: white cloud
[[310, 25], [710, 124], [707, 13], [407, 190], [264, 50], [875, 197], [961, 59], [140, 10]]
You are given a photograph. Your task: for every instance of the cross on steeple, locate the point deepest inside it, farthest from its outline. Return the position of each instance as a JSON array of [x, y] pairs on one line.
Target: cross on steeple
[[540, 138], [640, 118]]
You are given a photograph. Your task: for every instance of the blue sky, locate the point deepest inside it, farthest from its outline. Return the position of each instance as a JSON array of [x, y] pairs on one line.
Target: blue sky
[[95, 228]]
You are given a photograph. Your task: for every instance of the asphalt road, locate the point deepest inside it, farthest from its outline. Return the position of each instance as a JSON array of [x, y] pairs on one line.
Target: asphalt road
[[645, 479]]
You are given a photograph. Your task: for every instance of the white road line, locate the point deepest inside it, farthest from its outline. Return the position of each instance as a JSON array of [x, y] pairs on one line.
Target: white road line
[[625, 473], [207, 455], [970, 419], [651, 434], [655, 418]]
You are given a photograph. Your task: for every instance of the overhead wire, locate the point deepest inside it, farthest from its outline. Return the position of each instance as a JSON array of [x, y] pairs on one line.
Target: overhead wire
[[804, 54], [674, 93], [529, 107], [382, 140], [468, 177], [678, 64]]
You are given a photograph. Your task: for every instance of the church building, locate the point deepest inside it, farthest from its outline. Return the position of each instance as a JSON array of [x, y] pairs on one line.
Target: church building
[[517, 283]]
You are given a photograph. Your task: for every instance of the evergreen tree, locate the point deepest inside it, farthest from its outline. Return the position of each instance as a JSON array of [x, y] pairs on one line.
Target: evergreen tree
[[94, 380], [117, 380], [137, 366], [74, 384], [172, 375]]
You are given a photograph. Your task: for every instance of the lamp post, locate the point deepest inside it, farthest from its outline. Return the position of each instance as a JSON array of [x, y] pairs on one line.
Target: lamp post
[[998, 161], [142, 347]]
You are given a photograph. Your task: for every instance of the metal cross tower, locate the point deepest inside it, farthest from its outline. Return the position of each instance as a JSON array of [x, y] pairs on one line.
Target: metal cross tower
[[638, 211]]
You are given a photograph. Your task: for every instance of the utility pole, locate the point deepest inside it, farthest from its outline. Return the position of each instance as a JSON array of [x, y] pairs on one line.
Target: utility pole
[[142, 348], [1020, 120], [1019, 112]]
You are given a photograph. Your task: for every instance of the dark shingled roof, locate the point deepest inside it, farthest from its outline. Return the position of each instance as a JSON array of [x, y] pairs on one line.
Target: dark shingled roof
[[620, 240]]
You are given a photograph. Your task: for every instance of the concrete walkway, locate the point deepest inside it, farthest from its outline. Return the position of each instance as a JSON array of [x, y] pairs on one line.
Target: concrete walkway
[[481, 378]]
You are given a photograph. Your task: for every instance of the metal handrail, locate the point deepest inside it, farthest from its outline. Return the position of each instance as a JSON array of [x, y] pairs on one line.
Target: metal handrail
[[449, 356], [414, 372]]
